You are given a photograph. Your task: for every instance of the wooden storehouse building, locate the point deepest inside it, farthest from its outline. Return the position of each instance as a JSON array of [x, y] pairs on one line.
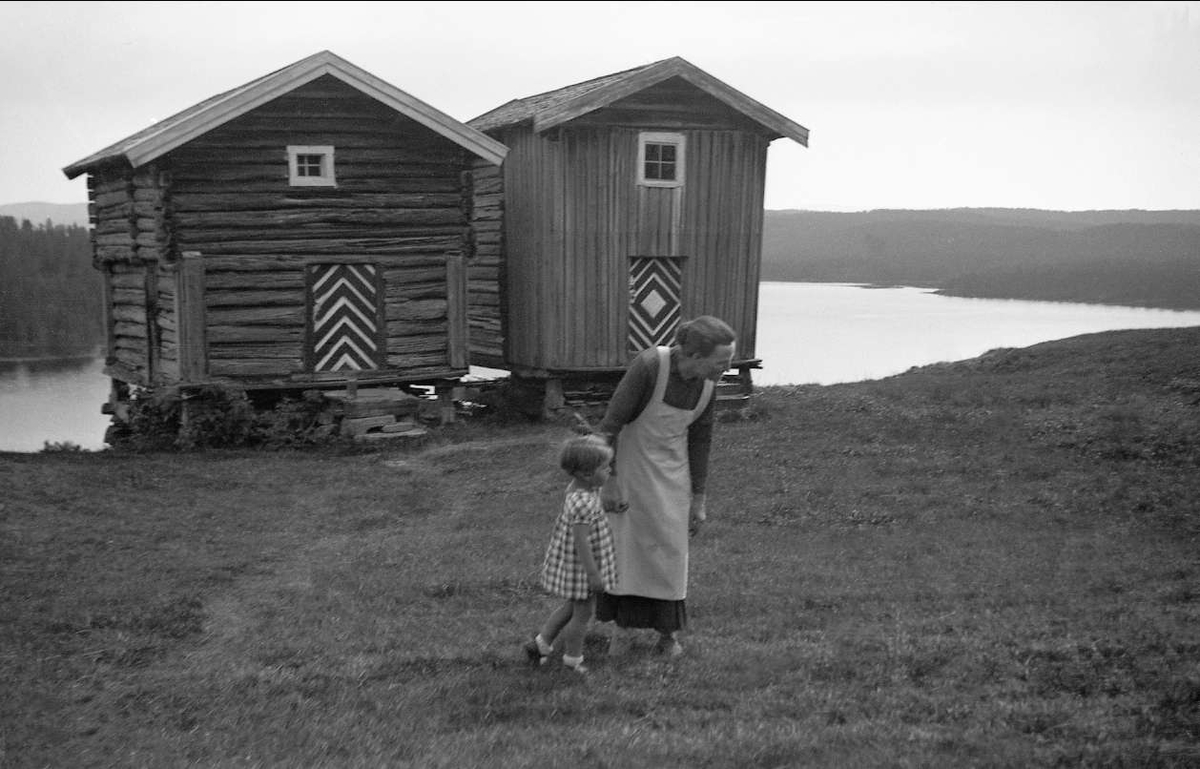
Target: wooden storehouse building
[[306, 229], [629, 201]]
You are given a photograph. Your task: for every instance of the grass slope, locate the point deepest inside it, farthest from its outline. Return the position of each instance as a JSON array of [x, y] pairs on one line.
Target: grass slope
[[988, 563]]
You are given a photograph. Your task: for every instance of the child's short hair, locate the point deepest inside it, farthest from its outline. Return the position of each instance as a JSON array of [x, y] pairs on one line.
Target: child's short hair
[[585, 454]]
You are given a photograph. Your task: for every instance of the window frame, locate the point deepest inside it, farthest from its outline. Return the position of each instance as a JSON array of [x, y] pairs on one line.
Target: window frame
[[328, 179], [677, 140]]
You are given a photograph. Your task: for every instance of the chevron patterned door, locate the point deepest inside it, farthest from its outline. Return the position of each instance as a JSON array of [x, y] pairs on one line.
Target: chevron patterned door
[[655, 287], [344, 317]]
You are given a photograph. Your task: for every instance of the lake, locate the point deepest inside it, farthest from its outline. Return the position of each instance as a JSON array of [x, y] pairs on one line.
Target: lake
[[827, 333], [808, 333]]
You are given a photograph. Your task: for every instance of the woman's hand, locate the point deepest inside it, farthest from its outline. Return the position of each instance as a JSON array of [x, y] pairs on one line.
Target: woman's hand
[[611, 498], [697, 514]]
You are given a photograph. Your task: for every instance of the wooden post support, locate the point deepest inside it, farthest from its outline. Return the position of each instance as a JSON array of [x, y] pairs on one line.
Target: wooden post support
[[554, 398], [189, 311], [445, 398], [185, 410], [456, 312], [746, 380]]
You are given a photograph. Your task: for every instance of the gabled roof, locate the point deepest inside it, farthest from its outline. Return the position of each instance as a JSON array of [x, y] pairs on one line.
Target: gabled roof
[[169, 134], [554, 108]]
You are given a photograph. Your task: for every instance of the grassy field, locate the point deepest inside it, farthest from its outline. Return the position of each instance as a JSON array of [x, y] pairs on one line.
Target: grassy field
[[992, 563]]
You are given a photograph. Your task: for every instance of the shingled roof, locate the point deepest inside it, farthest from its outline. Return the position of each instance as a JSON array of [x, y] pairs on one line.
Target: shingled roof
[[166, 135], [553, 108]]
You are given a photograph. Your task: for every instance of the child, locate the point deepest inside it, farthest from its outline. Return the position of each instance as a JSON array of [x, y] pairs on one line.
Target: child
[[579, 560]]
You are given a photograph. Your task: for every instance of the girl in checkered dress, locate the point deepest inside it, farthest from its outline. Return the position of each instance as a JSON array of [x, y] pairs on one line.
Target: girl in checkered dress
[[579, 560]]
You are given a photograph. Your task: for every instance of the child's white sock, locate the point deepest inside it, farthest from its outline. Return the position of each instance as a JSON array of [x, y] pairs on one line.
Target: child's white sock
[[572, 662], [543, 647]]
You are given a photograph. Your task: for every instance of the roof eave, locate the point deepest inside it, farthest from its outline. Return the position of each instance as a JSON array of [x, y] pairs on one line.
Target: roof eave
[[83, 166]]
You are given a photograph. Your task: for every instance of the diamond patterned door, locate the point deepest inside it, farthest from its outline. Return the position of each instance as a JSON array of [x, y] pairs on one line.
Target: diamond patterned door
[[344, 317], [655, 287]]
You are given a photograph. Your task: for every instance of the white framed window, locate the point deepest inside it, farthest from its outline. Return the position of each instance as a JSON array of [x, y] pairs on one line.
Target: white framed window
[[660, 159], [311, 166]]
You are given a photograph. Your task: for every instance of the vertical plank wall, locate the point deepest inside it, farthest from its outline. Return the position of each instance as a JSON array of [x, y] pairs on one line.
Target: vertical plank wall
[[575, 215]]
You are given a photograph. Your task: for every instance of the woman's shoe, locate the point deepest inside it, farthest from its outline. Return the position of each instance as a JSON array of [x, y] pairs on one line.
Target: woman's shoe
[[668, 646]]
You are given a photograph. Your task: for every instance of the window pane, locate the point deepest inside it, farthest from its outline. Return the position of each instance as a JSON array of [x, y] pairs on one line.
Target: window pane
[[661, 161], [309, 165]]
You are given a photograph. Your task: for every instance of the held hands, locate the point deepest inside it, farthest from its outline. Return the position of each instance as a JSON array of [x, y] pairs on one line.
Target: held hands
[[611, 498], [697, 514]]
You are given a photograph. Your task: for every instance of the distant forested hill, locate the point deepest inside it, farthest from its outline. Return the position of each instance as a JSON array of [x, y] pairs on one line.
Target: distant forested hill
[[1139, 258], [50, 295], [40, 213]]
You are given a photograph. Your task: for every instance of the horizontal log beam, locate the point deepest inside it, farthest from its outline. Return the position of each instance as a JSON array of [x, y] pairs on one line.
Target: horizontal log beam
[[218, 334], [369, 186], [341, 246], [252, 298], [244, 263], [254, 367], [317, 219], [292, 351], [420, 309], [257, 316], [264, 201], [291, 278]]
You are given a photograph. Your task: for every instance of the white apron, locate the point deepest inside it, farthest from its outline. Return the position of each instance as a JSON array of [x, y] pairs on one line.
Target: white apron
[[651, 536]]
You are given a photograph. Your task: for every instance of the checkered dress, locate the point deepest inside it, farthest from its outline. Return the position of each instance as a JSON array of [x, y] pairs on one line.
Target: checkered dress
[[562, 572]]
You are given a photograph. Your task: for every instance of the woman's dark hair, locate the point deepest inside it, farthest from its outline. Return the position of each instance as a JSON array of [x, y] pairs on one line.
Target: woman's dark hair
[[585, 454], [702, 334]]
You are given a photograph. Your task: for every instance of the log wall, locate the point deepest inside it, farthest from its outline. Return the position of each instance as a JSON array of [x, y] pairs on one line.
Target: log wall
[[225, 199], [129, 272], [485, 268]]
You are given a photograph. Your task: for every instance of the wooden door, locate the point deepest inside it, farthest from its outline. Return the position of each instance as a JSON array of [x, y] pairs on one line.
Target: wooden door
[[655, 290], [345, 329]]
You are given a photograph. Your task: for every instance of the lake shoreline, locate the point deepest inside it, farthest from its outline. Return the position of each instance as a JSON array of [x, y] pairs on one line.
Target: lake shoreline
[[95, 353], [807, 334]]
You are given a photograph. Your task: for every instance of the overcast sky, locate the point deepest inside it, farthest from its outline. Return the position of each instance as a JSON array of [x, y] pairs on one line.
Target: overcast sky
[[1067, 106]]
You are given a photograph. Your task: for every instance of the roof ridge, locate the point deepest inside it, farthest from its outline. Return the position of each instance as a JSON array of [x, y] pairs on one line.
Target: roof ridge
[[609, 76]]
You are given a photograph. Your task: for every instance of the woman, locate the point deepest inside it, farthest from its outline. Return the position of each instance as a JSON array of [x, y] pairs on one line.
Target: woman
[[660, 423]]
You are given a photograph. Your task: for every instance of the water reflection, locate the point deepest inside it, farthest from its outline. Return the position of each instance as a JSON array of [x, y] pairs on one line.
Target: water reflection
[[55, 401]]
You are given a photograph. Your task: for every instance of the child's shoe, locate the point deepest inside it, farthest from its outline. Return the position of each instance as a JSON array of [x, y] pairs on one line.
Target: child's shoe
[[533, 652], [575, 664]]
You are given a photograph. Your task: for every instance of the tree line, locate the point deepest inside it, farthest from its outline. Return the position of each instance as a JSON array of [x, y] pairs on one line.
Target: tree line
[[51, 298], [1137, 258]]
